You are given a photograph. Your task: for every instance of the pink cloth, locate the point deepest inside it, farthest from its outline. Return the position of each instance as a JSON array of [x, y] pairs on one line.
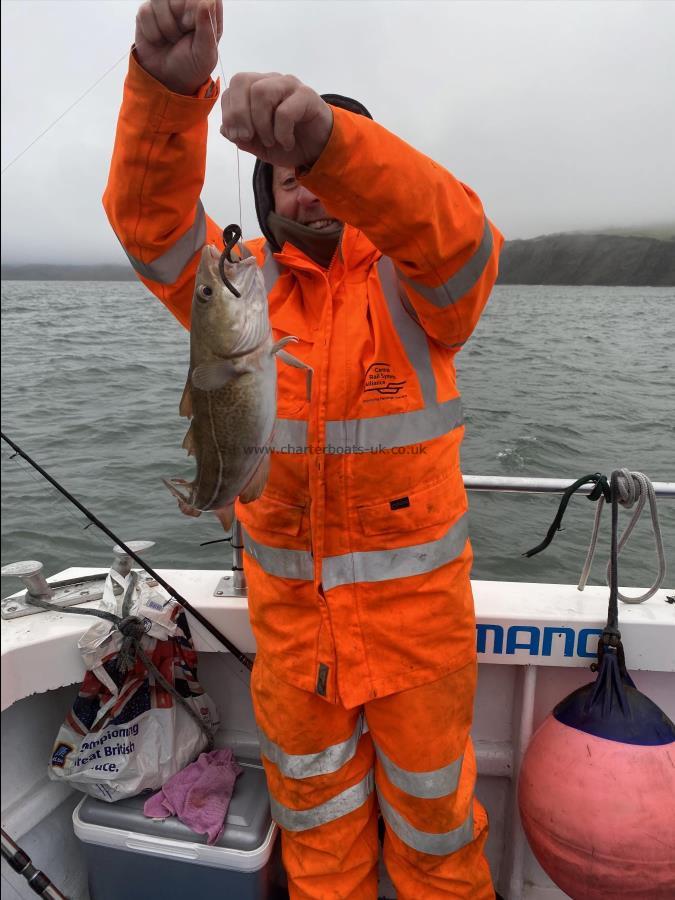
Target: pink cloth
[[199, 794]]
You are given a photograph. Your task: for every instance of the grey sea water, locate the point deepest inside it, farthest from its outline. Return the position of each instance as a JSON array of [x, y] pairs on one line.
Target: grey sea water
[[556, 382]]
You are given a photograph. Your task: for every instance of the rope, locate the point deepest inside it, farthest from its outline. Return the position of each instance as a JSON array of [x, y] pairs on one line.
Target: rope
[[132, 629], [626, 489], [611, 634], [633, 489]]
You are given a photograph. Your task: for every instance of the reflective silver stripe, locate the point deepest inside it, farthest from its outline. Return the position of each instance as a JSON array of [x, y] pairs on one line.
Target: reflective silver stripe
[[401, 562], [461, 282], [412, 312], [166, 269], [424, 841], [425, 785], [296, 564], [376, 433], [373, 434], [342, 805], [412, 336], [397, 430], [400, 429], [410, 309], [306, 765], [271, 270], [289, 433]]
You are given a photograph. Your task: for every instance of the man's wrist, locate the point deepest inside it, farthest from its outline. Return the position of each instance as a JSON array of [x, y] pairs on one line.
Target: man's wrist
[[204, 89], [161, 109], [325, 129]]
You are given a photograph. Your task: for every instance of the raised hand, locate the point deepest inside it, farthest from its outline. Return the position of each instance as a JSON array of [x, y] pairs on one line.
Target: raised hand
[[276, 117], [175, 41]]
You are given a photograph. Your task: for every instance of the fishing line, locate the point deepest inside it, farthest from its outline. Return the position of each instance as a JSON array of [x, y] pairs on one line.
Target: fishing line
[[234, 650], [58, 118], [225, 83], [54, 502]]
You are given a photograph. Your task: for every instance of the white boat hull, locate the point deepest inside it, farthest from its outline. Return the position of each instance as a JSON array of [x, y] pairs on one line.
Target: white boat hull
[[535, 645]]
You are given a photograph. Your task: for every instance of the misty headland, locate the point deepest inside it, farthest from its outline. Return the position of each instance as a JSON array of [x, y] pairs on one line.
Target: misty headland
[[612, 260]]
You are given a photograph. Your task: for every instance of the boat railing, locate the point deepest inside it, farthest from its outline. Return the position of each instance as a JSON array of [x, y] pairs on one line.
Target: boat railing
[[505, 484], [664, 490]]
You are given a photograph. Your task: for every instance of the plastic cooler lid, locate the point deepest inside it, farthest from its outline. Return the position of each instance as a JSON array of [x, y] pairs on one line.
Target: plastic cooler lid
[[247, 826]]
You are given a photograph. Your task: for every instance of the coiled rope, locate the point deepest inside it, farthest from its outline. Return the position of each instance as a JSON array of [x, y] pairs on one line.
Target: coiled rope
[[624, 488], [633, 490]]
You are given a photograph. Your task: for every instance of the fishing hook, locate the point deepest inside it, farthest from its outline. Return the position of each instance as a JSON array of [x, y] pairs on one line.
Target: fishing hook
[[231, 235]]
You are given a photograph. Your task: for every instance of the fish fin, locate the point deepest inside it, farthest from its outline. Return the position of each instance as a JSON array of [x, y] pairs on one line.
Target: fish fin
[[255, 330], [257, 483], [172, 484], [298, 364], [226, 516], [185, 406], [184, 504], [213, 375], [188, 510], [189, 440], [282, 343]]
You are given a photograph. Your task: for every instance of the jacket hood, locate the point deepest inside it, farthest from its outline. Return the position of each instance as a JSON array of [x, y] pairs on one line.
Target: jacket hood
[[262, 173]]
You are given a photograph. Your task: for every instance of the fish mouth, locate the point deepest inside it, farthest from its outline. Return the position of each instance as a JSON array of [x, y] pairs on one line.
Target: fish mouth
[[210, 256], [208, 265], [239, 273], [243, 274]]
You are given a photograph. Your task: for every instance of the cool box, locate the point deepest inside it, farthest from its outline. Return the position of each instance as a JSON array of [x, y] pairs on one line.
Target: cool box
[[131, 856]]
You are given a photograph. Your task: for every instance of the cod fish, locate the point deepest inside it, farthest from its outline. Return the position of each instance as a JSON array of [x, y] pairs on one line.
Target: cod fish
[[230, 393]]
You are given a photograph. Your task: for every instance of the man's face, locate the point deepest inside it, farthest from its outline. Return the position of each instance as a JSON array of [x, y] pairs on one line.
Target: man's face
[[293, 201]]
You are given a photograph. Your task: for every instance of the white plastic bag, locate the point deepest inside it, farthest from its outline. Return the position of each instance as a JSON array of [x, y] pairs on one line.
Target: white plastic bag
[[125, 732]]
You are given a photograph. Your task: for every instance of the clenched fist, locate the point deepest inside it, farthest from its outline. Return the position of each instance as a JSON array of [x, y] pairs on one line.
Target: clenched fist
[[177, 41], [276, 117]]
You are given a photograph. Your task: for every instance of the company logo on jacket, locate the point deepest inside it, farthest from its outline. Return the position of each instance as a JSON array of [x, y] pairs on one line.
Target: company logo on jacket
[[381, 380]]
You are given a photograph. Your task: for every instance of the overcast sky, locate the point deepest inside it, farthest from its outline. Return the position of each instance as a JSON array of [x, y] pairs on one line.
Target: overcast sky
[[559, 114]]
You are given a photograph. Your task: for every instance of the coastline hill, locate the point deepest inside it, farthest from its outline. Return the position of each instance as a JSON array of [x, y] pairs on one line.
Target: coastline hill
[[595, 259]]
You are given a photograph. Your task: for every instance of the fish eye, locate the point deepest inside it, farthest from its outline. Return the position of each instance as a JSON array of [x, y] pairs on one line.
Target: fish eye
[[204, 291]]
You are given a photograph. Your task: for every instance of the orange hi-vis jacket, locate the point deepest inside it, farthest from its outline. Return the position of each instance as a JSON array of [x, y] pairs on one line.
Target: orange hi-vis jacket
[[357, 554]]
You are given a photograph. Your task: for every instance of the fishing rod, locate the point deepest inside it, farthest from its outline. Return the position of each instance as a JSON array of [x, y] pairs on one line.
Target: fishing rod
[[21, 862], [234, 650]]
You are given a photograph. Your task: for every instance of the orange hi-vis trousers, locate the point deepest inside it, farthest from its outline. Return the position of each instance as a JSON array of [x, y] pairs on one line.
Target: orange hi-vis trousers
[[409, 756]]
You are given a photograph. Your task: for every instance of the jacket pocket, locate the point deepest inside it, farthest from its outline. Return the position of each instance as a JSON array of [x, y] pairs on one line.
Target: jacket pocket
[[442, 501], [270, 514], [292, 398]]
